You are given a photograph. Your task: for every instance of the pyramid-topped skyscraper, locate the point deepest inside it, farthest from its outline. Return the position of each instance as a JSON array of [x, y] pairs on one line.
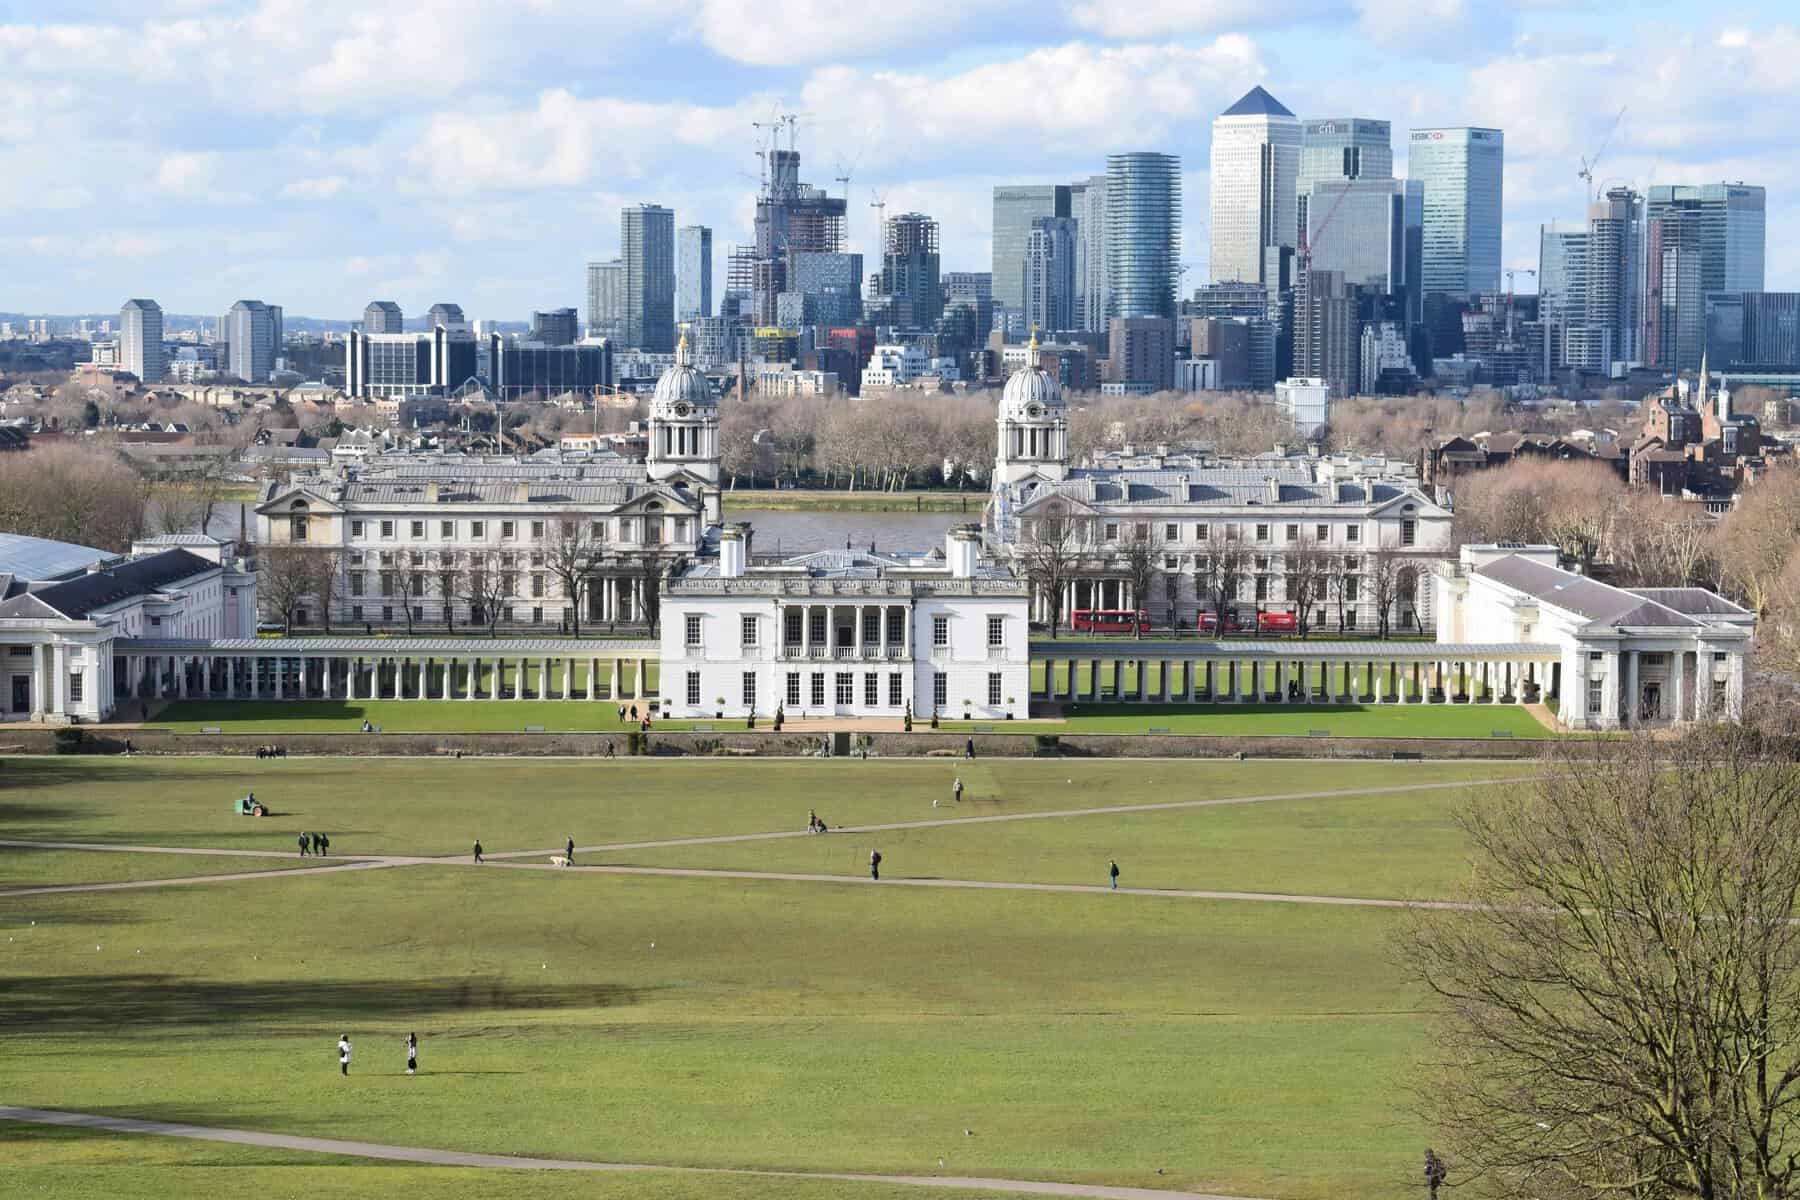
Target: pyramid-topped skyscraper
[[1255, 162]]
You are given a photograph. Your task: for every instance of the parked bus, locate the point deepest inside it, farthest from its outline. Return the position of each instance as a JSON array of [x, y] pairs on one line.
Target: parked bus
[[1208, 622], [1277, 622], [1109, 620]]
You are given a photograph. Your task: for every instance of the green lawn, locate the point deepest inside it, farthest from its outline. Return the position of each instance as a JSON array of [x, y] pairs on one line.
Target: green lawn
[[404, 716], [1254, 1049], [1345, 846], [24, 866], [1275, 720], [437, 806]]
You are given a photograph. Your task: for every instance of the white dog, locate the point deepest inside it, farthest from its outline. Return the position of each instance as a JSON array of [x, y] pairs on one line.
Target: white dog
[[559, 860]]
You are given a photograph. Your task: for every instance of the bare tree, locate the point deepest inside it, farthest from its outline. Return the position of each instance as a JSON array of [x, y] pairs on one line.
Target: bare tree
[[287, 576], [1756, 539], [449, 584], [74, 493], [326, 580], [1620, 1001], [1140, 558], [1048, 556], [1382, 571], [412, 576], [650, 571], [1343, 584], [569, 553], [1223, 570], [1305, 563], [484, 586]]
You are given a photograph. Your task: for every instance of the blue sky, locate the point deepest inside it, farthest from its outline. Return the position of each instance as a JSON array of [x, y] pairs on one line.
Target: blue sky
[[320, 153]]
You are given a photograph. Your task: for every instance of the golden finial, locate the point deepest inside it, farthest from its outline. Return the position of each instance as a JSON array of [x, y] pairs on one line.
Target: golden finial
[[1032, 348]]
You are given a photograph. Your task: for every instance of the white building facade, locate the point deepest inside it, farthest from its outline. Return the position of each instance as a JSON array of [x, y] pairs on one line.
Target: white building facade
[[846, 634], [1629, 657]]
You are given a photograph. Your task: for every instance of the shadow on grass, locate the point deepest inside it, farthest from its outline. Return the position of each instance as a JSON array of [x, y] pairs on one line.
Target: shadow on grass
[[126, 1004]]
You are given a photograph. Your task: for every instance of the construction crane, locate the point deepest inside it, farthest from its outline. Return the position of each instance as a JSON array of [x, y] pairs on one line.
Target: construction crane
[[879, 204], [1511, 273], [1587, 165]]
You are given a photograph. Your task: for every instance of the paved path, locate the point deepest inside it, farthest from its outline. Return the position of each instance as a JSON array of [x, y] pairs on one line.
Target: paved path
[[992, 885], [995, 818], [158, 849], [457, 1158]]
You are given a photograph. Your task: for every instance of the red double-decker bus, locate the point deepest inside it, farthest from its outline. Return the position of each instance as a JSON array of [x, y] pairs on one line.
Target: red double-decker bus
[[1208, 622], [1109, 620], [1277, 622]]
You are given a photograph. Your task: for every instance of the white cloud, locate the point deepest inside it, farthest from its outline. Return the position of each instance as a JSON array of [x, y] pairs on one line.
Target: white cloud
[[190, 175], [321, 188], [1450, 29], [1131, 19], [779, 33]]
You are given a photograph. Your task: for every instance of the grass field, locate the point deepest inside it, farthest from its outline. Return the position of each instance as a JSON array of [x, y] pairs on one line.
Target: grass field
[[403, 716], [1248, 1048], [22, 866]]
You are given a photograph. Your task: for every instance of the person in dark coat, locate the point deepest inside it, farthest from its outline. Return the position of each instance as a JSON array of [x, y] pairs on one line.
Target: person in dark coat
[[1435, 1171], [477, 849], [874, 864], [969, 749], [1113, 873], [324, 845], [304, 841], [569, 851]]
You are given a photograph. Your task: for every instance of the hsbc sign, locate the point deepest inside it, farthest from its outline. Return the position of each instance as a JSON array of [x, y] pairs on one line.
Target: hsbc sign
[[1428, 135]]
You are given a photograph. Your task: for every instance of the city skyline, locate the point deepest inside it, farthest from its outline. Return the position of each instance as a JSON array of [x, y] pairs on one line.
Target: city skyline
[[334, 181]]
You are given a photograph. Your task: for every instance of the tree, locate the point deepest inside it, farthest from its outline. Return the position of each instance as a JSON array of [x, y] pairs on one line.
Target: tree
[[412, 576], [287, 575], [1620, 1001], [1342, 583], [1048, 557], [1305, 564], [1384, 573], [324, 577], [569, 554], [651, 571], [484, 586], [1756, 538], [1222, 571], [1140, 558], [74, 493]]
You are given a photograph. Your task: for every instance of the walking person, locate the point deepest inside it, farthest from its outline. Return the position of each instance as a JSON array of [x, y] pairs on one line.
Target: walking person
[[1435, 1171], [875, 864], [344, 1054], [304, 843], [1113, 873], [569, 851], [324, 845], [956, 790], [477, 850], [412, 1054], [969, 748]]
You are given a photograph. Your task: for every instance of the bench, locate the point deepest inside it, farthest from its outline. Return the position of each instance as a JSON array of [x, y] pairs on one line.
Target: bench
[[984, 729], [1408, 756], [211, 729], [1157, 729], [1500, 733], [1318, 733], [534, 729], [700, 728]]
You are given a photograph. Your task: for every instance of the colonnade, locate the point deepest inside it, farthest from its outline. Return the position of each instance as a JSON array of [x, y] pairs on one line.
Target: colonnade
[[1299, 679], [218, 675], [876, 631]]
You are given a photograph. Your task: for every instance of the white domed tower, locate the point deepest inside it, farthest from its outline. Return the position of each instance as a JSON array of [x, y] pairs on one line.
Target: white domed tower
[[1034, 425], [684, 422]]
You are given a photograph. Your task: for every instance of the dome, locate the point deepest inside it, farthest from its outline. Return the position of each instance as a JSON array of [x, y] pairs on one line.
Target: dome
[[682, 389], [1031, 392]]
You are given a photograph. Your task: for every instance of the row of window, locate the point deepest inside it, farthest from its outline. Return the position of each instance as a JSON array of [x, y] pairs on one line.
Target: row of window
[[474, 616], [843, 689], [388, 530], [415, 585], [940, 629], [1264, 532]]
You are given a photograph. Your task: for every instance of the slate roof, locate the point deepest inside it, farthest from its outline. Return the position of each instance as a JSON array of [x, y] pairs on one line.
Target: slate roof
[[32, 558], [1600, 603], [1258, 103], [1693, 601], [77, 598], [1225, 488]]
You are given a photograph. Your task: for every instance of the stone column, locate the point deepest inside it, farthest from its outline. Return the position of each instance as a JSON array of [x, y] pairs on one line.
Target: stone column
[[856, 615], [471, 676], [1679, 659], [497, 669]]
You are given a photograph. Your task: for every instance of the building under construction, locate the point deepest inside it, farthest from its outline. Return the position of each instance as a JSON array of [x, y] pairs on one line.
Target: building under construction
[[791, 218]]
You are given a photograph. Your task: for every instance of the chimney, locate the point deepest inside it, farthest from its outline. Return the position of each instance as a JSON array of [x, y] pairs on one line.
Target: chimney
[[962, 550], [732, 552], [1274, 489]]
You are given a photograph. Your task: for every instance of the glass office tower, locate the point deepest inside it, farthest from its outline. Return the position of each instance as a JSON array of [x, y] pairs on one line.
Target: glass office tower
[[1461, 170], [1143, 233]]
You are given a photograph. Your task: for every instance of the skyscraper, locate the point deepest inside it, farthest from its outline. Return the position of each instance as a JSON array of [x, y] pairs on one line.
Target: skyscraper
[[1093, 286], [1562, 291], [1015, 208], [1612, 317], [554, 327], [693, 273], [141, 340], [647, 248], [1359, 227], [1050, 274], [909, 270], [1255, 165], [252, 335], [1143, 233], [382, 316], [1462, 173], [1338, 148], [606, 300], [1700, 239]]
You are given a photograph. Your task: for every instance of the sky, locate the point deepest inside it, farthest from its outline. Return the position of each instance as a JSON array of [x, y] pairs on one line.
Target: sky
[[322, 153]]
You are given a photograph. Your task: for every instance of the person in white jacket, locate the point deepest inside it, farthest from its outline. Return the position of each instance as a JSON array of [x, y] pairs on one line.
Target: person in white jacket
[[344, 1054]]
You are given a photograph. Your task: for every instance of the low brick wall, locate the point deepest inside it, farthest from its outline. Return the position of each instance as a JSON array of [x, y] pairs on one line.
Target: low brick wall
[[769, 744]]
